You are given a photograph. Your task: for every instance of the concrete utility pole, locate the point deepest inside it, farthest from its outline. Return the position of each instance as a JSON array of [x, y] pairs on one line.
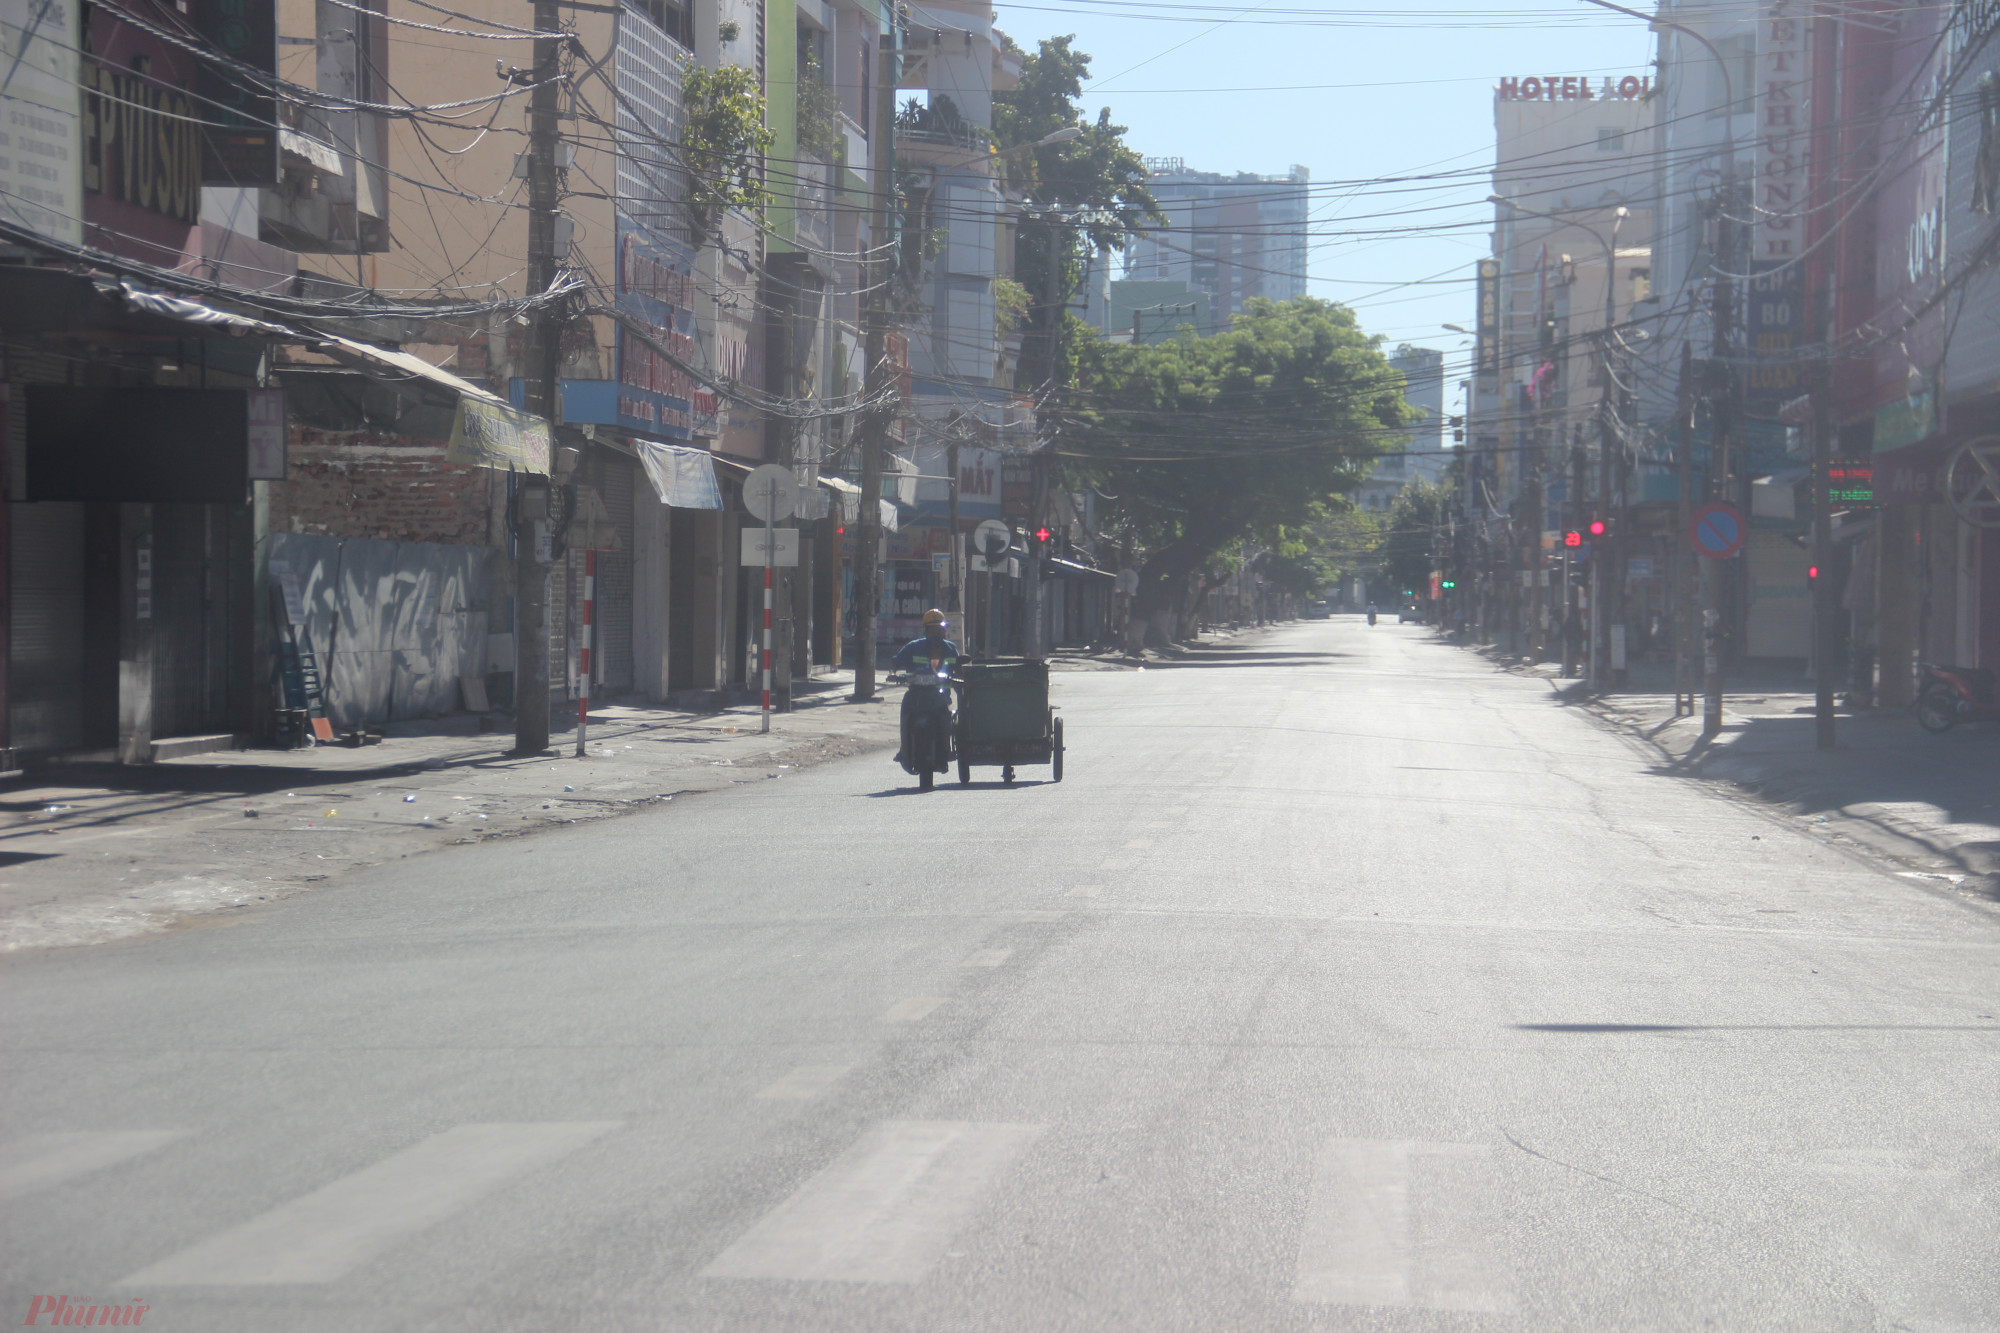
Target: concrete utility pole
[[875, 421], [1685, 559], [532, 510]]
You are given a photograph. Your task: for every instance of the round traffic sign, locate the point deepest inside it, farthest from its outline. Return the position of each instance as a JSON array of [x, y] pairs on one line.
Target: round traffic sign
[[771, 492], [991, 539], [1717, 530]]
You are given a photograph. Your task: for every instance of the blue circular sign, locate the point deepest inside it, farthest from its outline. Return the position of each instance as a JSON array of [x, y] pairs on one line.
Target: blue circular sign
[[1717, 531]]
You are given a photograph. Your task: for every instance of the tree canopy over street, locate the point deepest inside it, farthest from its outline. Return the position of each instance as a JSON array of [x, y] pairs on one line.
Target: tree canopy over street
[[1255, 433]]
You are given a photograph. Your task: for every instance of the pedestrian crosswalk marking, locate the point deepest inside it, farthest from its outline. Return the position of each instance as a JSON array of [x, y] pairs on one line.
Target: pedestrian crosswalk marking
[[915, 1008], [987, 958], [805, 1083], [324, 1235], [37, 1161], [1395, 1222], [883, 1211]]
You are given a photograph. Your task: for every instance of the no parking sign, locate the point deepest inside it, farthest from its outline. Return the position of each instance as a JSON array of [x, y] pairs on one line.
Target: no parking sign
[[1717, 531]]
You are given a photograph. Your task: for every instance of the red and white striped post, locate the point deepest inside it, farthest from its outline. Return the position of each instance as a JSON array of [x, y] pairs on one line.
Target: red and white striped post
[[770, 556], [589, 615]]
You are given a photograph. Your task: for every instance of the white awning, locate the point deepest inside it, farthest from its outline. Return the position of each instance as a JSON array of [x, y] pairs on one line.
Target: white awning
[[682, 476], [411, 366]]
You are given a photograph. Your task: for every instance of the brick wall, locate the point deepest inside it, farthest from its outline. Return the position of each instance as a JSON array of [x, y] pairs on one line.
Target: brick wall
[[381, 486]]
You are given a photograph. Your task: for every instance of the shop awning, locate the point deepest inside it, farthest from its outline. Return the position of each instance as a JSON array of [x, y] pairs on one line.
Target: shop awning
[[1056, 568], [682, 476]]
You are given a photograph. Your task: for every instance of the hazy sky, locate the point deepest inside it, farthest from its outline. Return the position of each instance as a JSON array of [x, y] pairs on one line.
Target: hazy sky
[[1416, 96]]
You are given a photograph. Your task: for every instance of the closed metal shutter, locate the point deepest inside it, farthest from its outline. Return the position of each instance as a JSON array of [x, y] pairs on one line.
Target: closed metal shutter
[[45, 666], [613, 625], [190, 619]]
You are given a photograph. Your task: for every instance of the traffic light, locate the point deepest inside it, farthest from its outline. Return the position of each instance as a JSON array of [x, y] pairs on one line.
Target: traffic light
[[1598, 527], [1038, 541], [1458, 429], [1812, 573], [1572, 539], [1448, 583]]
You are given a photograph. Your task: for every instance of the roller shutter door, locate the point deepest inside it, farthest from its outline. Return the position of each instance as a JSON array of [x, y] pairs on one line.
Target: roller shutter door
[[45, 667], [613, 658]]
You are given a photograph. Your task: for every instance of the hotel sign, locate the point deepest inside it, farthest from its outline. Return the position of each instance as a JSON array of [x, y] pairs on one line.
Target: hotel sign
[[1573, 88]]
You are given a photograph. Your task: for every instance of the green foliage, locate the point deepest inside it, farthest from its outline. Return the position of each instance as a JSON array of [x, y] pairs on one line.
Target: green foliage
[[1254, 434], [1419, 520], [817, 106], [723, 141], [1092, 189], [1010, 304]]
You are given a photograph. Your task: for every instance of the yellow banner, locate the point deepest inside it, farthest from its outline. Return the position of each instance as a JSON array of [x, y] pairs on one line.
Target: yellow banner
[[488, 435]]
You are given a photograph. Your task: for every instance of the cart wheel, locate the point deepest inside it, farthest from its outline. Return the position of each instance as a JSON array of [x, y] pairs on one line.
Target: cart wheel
[[1937, 709], [1007, 773], [1056, 759]]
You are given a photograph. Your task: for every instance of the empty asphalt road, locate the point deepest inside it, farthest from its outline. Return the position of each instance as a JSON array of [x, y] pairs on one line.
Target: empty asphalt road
[[1344, 982]]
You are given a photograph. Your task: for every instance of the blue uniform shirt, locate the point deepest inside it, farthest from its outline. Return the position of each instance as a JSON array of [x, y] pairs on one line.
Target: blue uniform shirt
[[922, 651]]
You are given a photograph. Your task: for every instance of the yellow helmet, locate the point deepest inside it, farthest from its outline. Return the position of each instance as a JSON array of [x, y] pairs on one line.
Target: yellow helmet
[[934, 617]]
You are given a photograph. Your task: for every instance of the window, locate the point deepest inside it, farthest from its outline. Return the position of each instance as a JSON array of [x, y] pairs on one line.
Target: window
[[1610, 140]]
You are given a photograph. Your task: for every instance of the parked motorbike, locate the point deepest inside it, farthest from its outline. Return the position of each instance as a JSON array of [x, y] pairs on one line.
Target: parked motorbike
[[1949, 695], [931, 722]]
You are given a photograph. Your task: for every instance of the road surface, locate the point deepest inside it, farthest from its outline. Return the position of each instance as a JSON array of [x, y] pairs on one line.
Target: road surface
[[1344, 982]]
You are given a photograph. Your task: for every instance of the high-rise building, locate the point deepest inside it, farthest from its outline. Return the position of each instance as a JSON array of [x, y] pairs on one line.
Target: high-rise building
[[1230, 238]]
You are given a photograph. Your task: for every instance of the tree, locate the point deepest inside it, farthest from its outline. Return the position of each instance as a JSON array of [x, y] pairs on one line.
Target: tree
[[1089, 192], [1256, 433], [1419, 524], [723, 141]]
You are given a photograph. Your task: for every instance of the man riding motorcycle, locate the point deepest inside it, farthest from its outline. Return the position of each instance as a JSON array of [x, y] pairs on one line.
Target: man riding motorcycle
[[929, 653]]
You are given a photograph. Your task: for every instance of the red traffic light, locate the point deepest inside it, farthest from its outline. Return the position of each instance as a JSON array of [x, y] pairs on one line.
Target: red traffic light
[[1042, 534], [1597, 527], [1572, 539], [1812, 572]]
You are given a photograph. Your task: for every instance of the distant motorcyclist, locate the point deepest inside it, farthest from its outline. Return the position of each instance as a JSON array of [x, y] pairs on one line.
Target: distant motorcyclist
[[1371, 613], [929, 653]]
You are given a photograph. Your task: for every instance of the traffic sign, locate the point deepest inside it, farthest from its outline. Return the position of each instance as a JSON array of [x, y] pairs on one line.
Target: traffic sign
[[771, 492], [1717, 531], [776, 546], [991, 538]]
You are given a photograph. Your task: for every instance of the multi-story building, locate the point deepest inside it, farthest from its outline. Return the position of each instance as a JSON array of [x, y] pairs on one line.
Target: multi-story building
[[1230, 238], [691, 353], [1422, 457], [1573, 190]]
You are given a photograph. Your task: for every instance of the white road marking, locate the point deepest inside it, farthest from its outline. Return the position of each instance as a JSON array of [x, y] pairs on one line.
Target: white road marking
[[987, 958], [914, 1008], [805, 1083], [883, 1211], [37, 1161], [1086, 891], [1403, 1223], [324, 1235]]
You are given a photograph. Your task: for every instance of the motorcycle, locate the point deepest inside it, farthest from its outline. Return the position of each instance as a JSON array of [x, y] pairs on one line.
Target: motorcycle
[[1949, 695], [1371, 620], [930, 724]]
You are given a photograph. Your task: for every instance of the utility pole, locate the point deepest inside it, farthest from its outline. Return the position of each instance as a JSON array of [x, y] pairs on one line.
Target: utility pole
[[1683, 546], [1825, 625], [1721, 421], [1031, 645], [875, 421], [956, 605], [533, 514]]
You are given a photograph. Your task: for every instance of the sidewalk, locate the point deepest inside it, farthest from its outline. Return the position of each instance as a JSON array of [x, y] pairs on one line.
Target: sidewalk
[[1930, 804], [95, 852]]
